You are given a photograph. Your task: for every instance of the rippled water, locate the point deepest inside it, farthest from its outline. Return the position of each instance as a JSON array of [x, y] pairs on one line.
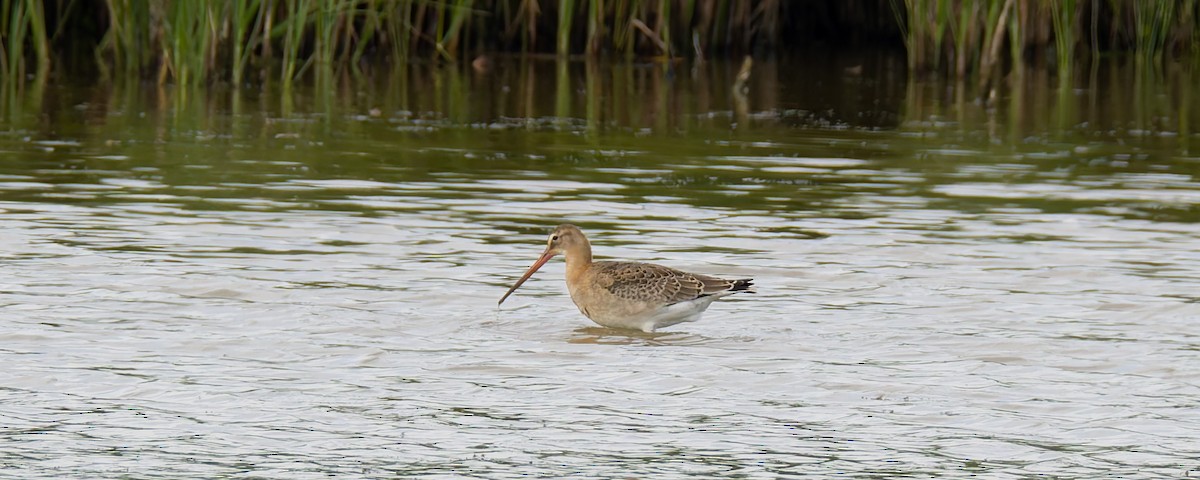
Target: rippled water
[[297, 296]]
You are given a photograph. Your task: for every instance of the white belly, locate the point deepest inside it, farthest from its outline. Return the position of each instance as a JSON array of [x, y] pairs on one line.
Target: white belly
[[650, 319]]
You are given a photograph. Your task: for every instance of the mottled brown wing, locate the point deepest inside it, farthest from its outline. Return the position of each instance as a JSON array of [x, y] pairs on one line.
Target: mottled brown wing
[[659, 284]]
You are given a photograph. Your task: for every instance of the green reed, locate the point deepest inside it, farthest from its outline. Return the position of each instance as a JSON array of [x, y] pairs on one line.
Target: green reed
[[1152, 21], [1061, 15], [1016, 32], [964, 33], [595, 27], [661, 33], [326, 16], [22, 26], [188, 34], [126, 45], [190, 43], [246, 20], [566, 16], [995, 20], [976, 28], [621, 12], [293, 30]]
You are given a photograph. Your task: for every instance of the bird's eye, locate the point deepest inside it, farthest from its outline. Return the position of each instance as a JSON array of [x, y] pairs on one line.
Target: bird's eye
[[554, 238]]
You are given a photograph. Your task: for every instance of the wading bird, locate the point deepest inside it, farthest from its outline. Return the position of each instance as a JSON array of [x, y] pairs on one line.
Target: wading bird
[[631, 295]]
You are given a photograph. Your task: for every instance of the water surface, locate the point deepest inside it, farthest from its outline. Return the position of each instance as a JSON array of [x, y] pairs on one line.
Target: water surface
[[226, 284]]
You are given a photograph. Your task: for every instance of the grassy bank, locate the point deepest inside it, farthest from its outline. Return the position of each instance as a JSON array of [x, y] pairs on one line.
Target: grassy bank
[[965, 36], [190, 42]]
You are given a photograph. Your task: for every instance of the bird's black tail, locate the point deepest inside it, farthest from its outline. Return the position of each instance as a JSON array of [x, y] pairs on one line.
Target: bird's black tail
[[743, 285]]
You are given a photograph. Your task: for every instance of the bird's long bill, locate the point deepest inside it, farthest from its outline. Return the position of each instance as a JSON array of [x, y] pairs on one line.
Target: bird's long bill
[[546, 256]]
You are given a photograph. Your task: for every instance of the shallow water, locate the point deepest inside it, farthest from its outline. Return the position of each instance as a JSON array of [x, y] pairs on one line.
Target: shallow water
[[194, 289]]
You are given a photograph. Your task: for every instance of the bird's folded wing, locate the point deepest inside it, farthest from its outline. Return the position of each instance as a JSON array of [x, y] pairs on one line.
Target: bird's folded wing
[[656, 283]]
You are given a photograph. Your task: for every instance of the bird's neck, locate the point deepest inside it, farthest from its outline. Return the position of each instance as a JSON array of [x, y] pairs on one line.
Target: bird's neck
[[578, 261]]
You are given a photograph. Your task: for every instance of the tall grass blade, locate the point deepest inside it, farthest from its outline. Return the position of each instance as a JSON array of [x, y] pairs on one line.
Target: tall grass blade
[[449, 40], [188, 42], [566, 15], [1062, 13]]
